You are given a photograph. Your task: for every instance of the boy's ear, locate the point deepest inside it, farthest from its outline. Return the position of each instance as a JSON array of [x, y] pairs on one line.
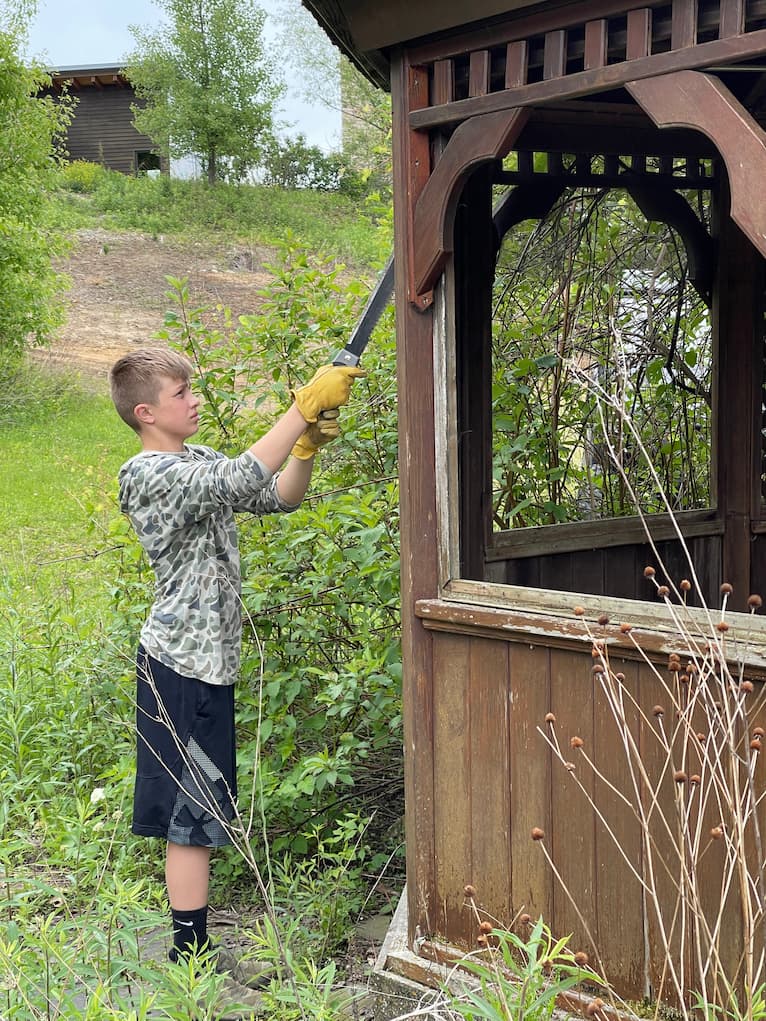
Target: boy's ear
[[143, 414]]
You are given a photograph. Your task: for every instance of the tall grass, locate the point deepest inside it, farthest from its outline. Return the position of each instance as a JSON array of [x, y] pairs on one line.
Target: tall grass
[[322, 221]]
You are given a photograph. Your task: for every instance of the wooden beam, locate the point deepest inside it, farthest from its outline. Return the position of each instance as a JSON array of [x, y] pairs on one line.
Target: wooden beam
[[584, 83], [474, 142], [693, 100]]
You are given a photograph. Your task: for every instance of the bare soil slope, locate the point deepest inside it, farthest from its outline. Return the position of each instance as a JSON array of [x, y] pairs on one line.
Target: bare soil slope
[[118, 301]]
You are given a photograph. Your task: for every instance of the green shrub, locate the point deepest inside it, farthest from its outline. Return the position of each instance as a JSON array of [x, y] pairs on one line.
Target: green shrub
[[82, 176], [319, 707]]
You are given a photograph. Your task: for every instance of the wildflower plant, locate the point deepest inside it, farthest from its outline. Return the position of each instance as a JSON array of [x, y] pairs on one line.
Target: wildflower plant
[[694, 787]]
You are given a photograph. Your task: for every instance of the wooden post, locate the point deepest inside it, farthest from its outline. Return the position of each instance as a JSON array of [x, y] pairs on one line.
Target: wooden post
[[419, 541], [738, 339]]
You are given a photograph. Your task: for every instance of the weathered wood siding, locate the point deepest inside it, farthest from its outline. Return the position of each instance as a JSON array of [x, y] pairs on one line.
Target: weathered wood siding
[[102, 130], [495, 779]]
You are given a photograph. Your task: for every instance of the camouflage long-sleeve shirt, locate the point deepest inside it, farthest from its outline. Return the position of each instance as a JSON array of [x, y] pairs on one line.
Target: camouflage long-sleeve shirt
[[182, 508]]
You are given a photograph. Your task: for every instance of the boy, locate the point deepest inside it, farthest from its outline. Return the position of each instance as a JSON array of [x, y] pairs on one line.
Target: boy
[[181, 501]]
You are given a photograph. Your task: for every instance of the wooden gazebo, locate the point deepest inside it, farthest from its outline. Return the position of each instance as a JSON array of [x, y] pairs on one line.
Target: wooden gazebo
[[662, 100]]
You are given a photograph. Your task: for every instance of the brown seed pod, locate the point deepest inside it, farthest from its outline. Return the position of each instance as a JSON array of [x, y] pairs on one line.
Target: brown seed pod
[[598, 668], [746, 686], [722, 626], [603, 619], [663, 591], [679, 776], [537, 833], [701, 737], [576, 742], [758, 731], [658, 711], [620, 677], [726, 589], [570, 766], [649, 572], [695, 779], [594, 1007], [482, 940], [754, 602], [469, 890], [755, 744], [685, 585], [684, 678], [525, 919], [550, 718], [626, 628], [582, 959], [716, 833], [579, 611], [486, 926]]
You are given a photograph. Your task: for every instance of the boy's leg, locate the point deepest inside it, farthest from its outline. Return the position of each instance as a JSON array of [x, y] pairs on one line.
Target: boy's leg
[[187, 875]]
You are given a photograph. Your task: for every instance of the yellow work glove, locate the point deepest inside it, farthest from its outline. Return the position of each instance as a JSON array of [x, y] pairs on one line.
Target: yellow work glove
[[324, 430], [328, 389]]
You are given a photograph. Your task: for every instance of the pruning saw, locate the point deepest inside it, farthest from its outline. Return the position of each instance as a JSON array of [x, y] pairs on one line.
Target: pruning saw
[[379, 298]]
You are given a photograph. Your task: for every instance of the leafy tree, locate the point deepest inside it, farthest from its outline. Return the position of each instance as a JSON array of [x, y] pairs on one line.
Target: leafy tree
[[207, 86], [331, 79], [30, 129]]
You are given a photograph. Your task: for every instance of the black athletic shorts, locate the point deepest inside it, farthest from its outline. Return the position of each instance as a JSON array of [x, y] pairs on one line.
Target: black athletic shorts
[[186, 777]]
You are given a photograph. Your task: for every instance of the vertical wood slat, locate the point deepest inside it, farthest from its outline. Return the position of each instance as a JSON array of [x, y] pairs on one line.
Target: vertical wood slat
[[571, 842], [452, 785], [490, 772], [732, 19], [530, 780], [444, 82], [478, 73], [516, 64], [657, 799], [639, 34], [619, 901], [683, 30], [595, 44], [554, 54]]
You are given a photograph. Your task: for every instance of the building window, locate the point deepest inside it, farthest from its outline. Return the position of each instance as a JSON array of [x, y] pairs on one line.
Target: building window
[[146, 160]]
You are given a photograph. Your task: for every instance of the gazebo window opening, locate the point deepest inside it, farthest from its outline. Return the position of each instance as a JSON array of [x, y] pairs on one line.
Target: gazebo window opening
[[593, 298]]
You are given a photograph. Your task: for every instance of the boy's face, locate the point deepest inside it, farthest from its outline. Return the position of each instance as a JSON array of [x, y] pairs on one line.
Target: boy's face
[[172, 418]]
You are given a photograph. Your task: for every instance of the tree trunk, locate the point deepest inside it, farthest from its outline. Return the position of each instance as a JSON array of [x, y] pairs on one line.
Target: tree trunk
[[211, 167]]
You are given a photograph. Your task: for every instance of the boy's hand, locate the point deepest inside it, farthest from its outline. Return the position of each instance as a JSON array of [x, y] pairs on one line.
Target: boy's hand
[[324, 430], [329, 388]]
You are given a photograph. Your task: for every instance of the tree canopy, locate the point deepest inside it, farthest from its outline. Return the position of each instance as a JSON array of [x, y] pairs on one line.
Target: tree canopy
[[31, 128], [206, 85]]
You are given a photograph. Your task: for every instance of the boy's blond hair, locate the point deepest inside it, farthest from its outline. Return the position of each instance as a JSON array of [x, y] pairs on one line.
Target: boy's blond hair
[[136, 378]]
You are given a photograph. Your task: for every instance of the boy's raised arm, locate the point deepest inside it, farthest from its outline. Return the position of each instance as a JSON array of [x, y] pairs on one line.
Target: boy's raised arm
[[329, 388]]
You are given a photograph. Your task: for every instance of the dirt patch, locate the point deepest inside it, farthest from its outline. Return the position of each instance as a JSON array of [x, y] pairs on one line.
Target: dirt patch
[[118, 300]]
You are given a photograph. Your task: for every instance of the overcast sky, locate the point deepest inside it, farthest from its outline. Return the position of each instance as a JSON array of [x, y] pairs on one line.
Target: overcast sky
[[90, 32]]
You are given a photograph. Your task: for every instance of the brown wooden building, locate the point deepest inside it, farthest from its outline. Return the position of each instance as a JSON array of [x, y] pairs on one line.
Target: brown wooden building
[[102, 129], [502, 110]]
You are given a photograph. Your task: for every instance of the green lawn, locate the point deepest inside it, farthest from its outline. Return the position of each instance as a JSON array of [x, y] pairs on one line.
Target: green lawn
[[55, 471]]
